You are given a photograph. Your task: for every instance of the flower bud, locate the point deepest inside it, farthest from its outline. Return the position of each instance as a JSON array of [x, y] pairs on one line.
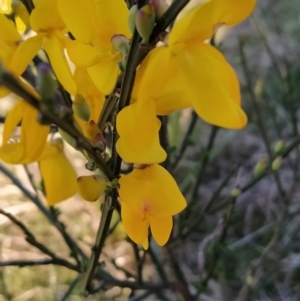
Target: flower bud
[[122, 66], [91, 165], [99, 142], [160, 7], [280, 147], [235, 192], [131, 18], [144, 21], [46, 83], [91, 129], [258, 89], [64, 112], [81, 108], [260, 166], [276, 164], [91, 188], [105, 156], [121, 44]]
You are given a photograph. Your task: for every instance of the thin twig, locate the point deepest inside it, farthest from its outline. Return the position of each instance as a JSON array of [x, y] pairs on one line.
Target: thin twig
[[33, 241], [208, 205], [99, 243], [260, 120], [7, 79], [48, 214], [141, 296], [25, 263], [204, 161], [219, 246], [167, 18], [184, 286], [70, 289], [186, 139], [26, 192]]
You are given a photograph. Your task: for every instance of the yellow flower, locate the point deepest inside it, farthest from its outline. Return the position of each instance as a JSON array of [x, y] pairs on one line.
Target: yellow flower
[[5, 7], [9, 39], [57, 172], [91, 188], [138, 128], [46, 22], [186, 71], [149, 197], [29, 148], [94, 23], [85, 87], [21, 15]]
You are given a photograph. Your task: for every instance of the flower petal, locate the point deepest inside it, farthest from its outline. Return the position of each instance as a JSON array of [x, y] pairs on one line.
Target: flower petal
[[82, 55], [136, 225], [91, 129], [115, 14], [59, 63], [200, 22], [58, 174], [161, 228], [31, 129], [8, 32], [21, 14], [13, 153], [104, 74], [91, 188], [13, 118], [161, 81], [88, 90], [75, 13], [212, 86], [24, 54], [232, 12], [138, 127], [152, 188], [40, 18]]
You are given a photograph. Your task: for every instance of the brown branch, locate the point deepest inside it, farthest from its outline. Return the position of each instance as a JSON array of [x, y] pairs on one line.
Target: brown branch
[[30, 238], [8, 80]]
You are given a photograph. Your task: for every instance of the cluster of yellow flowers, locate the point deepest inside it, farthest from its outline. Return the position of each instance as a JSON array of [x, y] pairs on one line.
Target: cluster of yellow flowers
[[181, 72]]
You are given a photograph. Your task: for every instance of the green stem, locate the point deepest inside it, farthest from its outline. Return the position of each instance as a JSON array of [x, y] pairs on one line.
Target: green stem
[[99, 243], [167, 18]]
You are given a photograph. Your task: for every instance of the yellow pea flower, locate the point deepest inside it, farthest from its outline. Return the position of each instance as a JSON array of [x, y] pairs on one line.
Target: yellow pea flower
[[46, 22], [28, 149], [149, 198], [94, 23], [85, 87], [9, 40], [138, 128], [91, 188], [57, 172], [187, 72]]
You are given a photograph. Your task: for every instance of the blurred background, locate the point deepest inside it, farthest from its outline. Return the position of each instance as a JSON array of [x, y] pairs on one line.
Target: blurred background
[[238, 240]]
